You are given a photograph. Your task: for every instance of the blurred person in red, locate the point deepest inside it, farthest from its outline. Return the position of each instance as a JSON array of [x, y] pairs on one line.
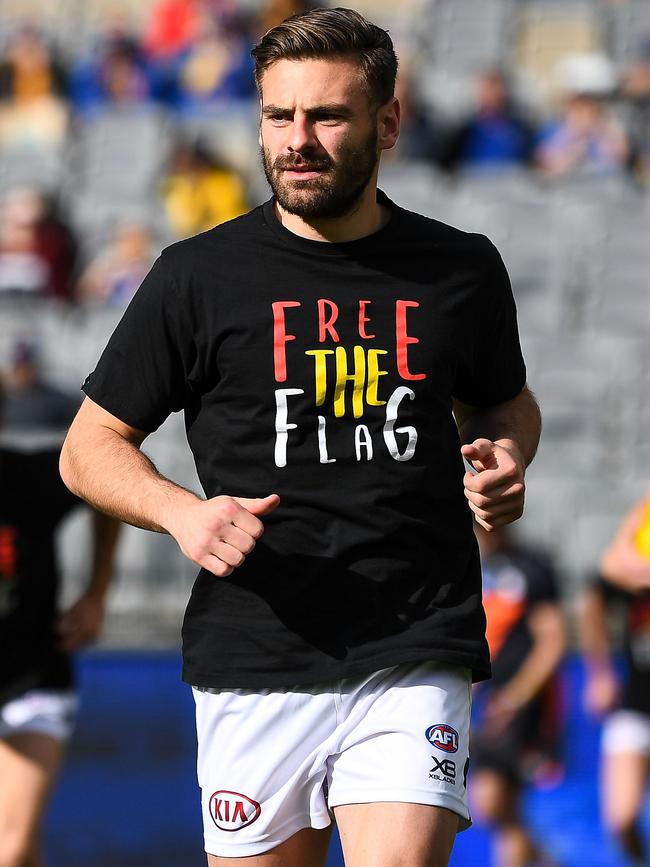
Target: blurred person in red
[[496, 135], [623, 589], [515, 733], [200, 191], [37, 248], [38, 700], [33, 112], [117, 271]]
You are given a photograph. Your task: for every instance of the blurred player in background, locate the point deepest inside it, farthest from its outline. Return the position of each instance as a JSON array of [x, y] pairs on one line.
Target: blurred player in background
[[318, 346], [38, 701], [515, 734], [624, 589]]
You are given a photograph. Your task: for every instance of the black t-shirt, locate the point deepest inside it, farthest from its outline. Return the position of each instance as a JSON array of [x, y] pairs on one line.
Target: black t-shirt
[[325, 373], [636, 692], [515, 581], [33, 500]]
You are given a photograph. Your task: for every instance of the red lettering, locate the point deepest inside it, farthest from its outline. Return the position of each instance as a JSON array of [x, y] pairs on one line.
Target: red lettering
[[218, 803], [280, 338], [239, 812], [327, 326], [403, 340], [7, 552], [362, 321], [227, 809]]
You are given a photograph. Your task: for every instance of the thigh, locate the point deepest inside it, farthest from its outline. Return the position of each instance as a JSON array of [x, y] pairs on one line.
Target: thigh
[[396, 834], [405, 740], [625, 763], [624, 778], [308, 846], [494, 796], [28, 766]]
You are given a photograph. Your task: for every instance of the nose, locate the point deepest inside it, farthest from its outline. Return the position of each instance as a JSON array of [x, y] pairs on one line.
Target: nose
[[302, 135]]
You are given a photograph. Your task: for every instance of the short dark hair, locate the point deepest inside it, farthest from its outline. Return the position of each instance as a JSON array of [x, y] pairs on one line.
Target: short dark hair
[[322, 33]]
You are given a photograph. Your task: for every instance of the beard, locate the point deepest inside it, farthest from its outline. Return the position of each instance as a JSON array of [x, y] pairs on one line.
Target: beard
[[336, 192]]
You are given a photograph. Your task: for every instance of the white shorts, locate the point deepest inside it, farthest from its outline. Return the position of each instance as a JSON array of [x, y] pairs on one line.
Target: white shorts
[[271, 762], [40, 711], [626, 731]]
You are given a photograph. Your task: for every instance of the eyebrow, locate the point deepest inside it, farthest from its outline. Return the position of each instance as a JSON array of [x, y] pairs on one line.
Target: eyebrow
[[327, 108]]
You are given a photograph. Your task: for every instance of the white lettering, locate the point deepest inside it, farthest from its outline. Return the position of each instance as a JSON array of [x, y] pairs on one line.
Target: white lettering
[[282, 425], [390, 430]]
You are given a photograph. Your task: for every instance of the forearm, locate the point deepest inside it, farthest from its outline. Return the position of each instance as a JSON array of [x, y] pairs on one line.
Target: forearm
[[534, 673], [593, 630], [115, 477], [105, 536], [515, 425]]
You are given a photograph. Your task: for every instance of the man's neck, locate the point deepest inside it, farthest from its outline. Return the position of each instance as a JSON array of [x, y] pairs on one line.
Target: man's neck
[[367, 217]]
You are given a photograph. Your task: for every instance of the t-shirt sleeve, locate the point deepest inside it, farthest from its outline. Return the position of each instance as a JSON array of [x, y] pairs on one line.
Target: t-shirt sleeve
[[145, 371], [543, 582], [37, 490], [493, 368]]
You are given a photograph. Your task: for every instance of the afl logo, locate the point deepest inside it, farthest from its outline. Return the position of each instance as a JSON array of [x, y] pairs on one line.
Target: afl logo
[[232, 811], [443, 737]]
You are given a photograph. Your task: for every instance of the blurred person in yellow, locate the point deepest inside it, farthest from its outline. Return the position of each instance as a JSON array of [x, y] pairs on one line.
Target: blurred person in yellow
[[516, 719], [38, 699], [200, 192], [623, 589], [33, 113]]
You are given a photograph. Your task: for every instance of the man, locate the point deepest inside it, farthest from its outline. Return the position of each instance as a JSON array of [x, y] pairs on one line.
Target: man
[[37, 697], [317, 346], [624, 587], [515, 735]]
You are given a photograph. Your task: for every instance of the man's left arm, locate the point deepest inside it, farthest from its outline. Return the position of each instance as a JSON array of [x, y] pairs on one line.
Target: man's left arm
[[81, 623], [499, 441]]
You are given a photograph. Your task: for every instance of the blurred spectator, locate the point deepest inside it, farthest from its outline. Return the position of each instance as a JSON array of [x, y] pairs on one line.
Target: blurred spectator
[[624, 589], [587, 139], [114, 75], [33, 114], [635, 94], [516, 730], [37, 249], [173, 26], [275, 11], [31, 403], [115, 274], [200, 192], [496, 135], [217, 67], [420, 138]]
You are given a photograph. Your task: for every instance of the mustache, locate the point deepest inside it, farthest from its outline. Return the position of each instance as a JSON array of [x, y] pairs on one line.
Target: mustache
[[287, 161]]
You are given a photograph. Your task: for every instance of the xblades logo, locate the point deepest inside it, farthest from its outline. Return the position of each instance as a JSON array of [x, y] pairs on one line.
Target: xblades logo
[[443, 770]]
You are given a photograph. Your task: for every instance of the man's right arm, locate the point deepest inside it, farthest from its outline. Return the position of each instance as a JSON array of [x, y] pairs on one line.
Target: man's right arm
[[102, 463]]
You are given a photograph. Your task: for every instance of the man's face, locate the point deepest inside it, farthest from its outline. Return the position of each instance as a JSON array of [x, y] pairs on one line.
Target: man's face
[[319, 136]]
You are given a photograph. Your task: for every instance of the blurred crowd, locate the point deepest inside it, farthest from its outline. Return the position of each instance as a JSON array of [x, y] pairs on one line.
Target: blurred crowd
[[153, 113]]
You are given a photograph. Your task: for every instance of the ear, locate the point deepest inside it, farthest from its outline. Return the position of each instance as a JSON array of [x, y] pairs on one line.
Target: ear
[[388, 120]]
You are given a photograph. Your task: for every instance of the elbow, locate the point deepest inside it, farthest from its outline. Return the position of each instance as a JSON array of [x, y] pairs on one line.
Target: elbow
[[66, 467]]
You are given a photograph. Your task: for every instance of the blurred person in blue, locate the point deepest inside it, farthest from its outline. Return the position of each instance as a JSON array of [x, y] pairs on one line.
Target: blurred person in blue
[[621, 596], [113, 276], [32, 403], [495, 136], [587, 138], [113, 75], [516, 719], [38, 700], [216, 69]]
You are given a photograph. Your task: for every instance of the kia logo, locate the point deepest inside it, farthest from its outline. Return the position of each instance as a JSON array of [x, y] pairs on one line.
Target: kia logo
[[231, 811], [443, 737]]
